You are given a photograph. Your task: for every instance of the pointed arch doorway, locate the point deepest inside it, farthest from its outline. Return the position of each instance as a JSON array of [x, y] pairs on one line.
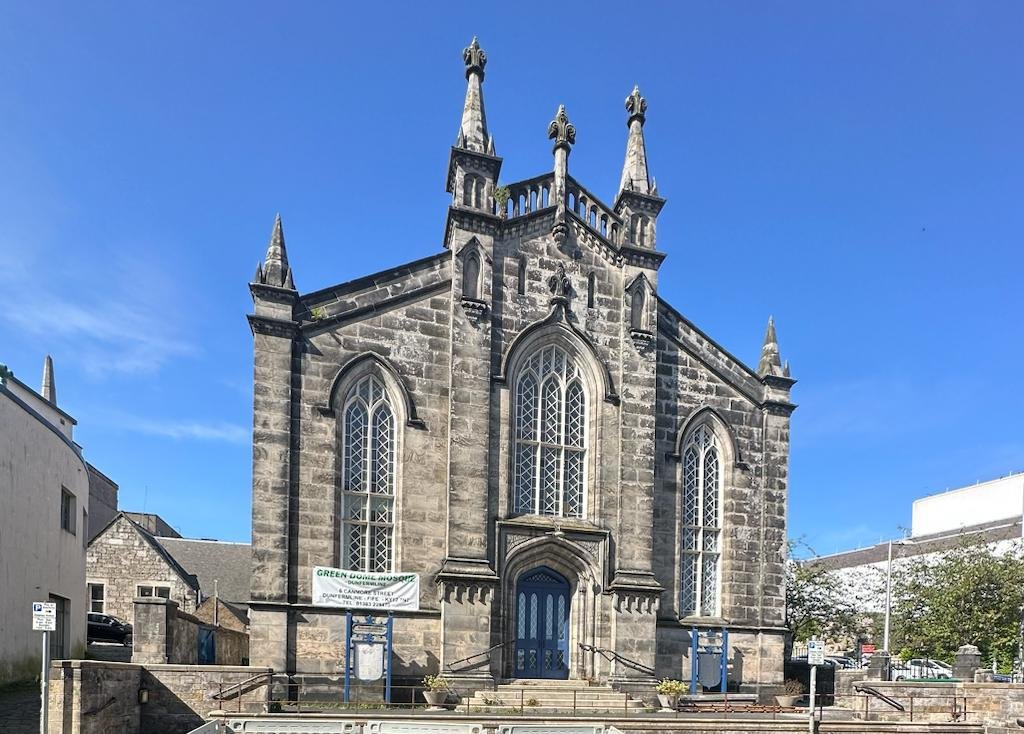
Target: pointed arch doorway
[[542, 625]]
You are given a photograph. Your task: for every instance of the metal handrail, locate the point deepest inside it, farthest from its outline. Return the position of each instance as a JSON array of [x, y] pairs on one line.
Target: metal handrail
[[242, 687], [613, 656], [450, 667], [880, 696]]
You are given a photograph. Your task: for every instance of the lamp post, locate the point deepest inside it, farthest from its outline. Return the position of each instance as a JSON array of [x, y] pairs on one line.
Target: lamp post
[[888, 593], [1019, 677]]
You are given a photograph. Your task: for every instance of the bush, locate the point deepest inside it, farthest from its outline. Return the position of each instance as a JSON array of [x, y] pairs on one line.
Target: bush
[[671, 687]]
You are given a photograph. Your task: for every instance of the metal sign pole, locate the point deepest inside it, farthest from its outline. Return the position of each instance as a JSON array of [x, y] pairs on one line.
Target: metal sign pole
[[44, 685], [387, 659], [725, 659], [348, 654], [810, 708], [693, 660]]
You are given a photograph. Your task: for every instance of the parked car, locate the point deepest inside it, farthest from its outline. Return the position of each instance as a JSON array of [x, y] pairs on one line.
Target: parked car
[[104, 628], [916, 668]]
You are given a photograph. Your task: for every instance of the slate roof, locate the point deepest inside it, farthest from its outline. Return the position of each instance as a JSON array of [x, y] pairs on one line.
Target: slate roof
[[228, 563]]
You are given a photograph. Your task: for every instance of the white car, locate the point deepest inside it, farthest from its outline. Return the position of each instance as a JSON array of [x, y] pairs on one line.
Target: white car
[[922, 668]]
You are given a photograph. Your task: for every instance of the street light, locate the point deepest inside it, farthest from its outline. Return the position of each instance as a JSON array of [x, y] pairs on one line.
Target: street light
[[888, 593]]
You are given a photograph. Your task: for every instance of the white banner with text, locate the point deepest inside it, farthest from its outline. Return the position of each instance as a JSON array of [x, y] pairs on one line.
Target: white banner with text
[[335, 587]]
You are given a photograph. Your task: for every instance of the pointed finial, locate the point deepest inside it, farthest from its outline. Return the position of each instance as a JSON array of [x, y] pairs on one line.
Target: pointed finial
[[49, 387], [475, 58], [289, 282], [561, 130], [635, 176], [770, 364], [275, 266], [473, 129], [636, 105]]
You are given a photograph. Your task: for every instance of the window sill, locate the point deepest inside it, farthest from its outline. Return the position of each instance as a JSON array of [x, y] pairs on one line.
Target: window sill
[[696, 621]]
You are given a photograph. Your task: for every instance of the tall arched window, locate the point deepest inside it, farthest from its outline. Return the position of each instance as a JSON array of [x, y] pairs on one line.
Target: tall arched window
[[550, 435], [701, 535], [368, 478]]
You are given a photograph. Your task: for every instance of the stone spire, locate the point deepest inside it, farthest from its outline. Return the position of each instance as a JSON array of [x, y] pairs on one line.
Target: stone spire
[[634, 170], [770, 363], [275, 269], [473, 130], [49, 387]]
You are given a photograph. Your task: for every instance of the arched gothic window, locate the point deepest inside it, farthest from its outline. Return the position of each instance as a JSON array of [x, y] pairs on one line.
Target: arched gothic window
[[550, 436], [368, 478], [701, 535]]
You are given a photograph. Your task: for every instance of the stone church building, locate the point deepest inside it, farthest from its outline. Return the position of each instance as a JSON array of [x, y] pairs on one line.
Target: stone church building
[[579, 475]]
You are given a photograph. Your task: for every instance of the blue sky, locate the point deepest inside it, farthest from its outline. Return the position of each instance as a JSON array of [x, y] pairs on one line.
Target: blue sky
[[855, 169]]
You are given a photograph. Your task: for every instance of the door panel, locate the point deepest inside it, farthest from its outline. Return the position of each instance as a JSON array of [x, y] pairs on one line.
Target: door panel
[[542, 625]]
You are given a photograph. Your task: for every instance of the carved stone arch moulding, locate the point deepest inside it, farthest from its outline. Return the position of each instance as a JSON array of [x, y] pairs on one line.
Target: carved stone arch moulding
[[367, 362], [709, 415], [557, 328]]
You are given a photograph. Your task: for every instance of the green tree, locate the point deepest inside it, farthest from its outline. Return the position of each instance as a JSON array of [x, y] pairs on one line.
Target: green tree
[[817, 601], [968, 595]]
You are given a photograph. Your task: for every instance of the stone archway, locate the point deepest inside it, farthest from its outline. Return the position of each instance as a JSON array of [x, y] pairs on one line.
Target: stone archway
[[576, 566]]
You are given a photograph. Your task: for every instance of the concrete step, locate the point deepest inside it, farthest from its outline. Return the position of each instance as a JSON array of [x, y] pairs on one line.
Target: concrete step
[[549, 683]]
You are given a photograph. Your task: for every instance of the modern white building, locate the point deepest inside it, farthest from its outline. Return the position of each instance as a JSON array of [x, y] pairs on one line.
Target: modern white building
[[986, 513], [44, 497]]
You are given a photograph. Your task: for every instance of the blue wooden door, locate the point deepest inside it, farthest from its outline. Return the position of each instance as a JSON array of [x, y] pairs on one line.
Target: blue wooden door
[[542, 625]]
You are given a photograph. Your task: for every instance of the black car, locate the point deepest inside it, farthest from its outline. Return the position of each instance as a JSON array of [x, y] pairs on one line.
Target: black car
[[104, 628]]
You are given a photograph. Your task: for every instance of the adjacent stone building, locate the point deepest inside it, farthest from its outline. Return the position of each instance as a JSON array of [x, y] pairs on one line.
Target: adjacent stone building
[[575, 470], [129, 559]]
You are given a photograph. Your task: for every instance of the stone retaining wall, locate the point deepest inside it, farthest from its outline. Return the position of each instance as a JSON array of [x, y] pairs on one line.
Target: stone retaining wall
[[96, 697], [995, 705]]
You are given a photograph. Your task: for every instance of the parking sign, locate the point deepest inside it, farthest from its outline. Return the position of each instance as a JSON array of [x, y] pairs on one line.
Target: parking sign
[[816, 652], [44, 616]]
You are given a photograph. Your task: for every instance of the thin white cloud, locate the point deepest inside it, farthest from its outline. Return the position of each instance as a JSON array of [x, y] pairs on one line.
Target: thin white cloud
[[187, 430], [120, 321]]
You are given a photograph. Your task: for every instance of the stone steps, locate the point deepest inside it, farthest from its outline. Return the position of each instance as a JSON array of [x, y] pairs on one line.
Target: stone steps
[[544, 697]]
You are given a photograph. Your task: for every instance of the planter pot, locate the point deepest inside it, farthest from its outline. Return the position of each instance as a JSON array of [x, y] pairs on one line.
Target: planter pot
[[436, 699], [787, 701], [668, 702]]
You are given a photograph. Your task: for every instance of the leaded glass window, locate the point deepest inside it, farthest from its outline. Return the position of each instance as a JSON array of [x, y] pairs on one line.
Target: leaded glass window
[[550, 436], [701, 532], [368, 478]]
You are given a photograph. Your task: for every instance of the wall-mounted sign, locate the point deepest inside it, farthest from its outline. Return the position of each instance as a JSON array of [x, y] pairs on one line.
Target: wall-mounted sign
[[335, 587]]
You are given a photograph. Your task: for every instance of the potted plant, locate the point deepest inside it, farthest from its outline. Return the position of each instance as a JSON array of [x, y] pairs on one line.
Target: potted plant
[[792, 689], [435, 690], [669, 691]]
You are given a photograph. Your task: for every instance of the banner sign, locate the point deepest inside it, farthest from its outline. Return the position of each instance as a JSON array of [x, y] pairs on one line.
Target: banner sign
[[334, 587]]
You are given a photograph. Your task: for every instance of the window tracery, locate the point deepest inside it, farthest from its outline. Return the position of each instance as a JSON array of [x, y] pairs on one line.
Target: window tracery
[[549, 436], [701, 532], [368, 478]]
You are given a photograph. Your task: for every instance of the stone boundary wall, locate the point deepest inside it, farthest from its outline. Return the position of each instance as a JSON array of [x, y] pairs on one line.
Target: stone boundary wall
[[996, 705], [96, 697], [165, 634]]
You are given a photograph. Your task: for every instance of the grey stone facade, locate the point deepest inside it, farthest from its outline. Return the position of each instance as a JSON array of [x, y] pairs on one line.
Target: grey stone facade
[[447, 336]]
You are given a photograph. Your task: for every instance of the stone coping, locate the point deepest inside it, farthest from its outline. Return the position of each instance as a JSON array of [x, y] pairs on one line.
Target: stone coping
[[953, 682], [190, 667], [735, 722]]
